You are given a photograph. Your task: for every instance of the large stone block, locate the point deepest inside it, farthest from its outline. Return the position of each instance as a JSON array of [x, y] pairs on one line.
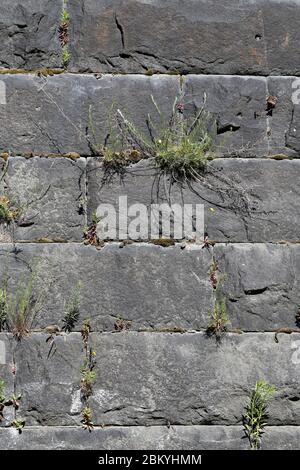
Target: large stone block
[[125, 438], [261, 284], [258, 202], [257, 37], [50, 194], [7, 375], [151, 286], [146, 438], [146, 378], [62, 113], [29, 36]]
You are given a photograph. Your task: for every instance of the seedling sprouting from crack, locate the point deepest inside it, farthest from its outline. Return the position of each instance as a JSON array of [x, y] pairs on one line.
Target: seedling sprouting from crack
[[7, 213], [219, 319], [87, 418], [18, 424], [90, 233], [85, 332], [72, 310], [88, 374], [256, 412]]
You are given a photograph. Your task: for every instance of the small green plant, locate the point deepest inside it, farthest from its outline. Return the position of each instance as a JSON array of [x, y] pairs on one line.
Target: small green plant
[[3, 308], [2, 393], [90, 233], [72, 311], [87, 418], [256, 412], [85, 332], [64, 36], [66, 56], [7, 214], [219, 319], [18, 424], [88, 375], [22, 307]]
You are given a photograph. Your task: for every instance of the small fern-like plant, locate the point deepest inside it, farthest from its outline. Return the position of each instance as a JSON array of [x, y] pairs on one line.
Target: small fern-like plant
[[87, 418], [256, 412], [219, 319]]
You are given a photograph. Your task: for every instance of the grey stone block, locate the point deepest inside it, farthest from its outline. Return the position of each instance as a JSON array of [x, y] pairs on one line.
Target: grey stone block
[[261, 284], [29, 34], [151, 286], [51, 195], [269, 186], [146, 438], [7, 375], [158, 378], [43, 115], [257, 37], [123, 438]]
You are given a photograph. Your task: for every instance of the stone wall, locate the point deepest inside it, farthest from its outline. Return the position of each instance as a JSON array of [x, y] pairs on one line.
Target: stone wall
[[163, 383]]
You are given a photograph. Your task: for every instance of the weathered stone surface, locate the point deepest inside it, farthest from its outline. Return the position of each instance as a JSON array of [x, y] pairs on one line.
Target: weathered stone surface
[[50, 192], [270, 187], [261, 284], [7, 375], [63, 113], [29, 34], [55, 114], [257, 37], [146, 378], [238, 105], [146, 438], [161, 288], [151, 286]]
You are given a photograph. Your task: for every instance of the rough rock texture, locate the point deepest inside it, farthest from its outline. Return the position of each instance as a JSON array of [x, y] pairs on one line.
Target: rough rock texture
[[50, 194], [156, 287], [60, 114], [161, 288], [198, 36], [165, 383], [269, 187], [156, 379], [29, 34]]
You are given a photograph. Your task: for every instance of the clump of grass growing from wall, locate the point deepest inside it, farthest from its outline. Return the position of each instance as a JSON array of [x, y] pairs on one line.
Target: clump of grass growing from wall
[[219, 319], [20, 308], [64, 36], [72, 311], [256, 412]]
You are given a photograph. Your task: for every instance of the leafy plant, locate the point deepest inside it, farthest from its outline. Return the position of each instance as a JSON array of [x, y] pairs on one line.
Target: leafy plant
[[88, 374], [3, 308], [87, 418], [257, 412], [18, 424], [7, 214], [66, 56], [90, 233], [219, 319], [72, 310]]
